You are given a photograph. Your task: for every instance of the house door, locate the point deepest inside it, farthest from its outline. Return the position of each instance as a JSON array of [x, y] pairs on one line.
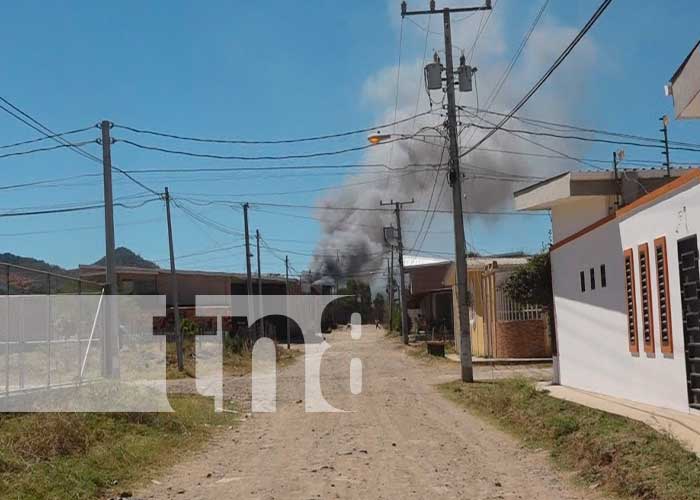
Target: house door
[[690, 285]]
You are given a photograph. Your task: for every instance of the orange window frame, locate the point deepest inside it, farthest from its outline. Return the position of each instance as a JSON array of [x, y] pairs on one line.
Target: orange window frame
[[648, 330], [665, 301], [631, 300]]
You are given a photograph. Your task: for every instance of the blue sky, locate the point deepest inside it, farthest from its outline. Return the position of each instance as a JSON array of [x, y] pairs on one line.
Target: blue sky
[[261, 70]]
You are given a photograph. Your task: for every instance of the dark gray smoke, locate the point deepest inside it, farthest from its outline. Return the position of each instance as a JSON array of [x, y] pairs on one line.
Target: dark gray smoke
[[490, 175]]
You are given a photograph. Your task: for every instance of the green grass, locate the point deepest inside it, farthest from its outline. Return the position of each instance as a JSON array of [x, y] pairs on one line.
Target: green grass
[[622, 456], [85, 455]]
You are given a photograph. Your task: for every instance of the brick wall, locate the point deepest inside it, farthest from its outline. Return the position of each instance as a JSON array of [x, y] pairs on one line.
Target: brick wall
[[522, 339]]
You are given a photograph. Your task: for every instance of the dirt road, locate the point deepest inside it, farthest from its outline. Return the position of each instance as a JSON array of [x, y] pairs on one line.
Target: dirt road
[[400, 439]]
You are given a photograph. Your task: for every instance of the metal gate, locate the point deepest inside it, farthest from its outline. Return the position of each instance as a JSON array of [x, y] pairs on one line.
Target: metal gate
[[690, 285]]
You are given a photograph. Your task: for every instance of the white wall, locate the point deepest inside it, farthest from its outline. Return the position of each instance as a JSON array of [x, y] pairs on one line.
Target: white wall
[[574, 214], [592, 326]]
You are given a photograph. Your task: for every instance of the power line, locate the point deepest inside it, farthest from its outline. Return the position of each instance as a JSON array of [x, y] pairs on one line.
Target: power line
[[504, 77], [47, 148], [315, 190], [202, 252], [75, 228], [550, 125], [257, 158], [276, 167], [270, 141], [550, 149], [46, 181], [585, 139], [45, 137], [386, 210], [206, 221], [50, 134], [432, 193], [481, 29], [432, 215], [604, 5], [74, 209]]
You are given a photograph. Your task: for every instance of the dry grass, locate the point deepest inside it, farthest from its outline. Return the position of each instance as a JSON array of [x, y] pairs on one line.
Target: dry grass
[[237, 359], [623, 457], [85, 455]]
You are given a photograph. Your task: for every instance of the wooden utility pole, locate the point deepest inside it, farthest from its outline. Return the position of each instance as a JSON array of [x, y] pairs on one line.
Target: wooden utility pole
[[402, 289], [249, 280], [111, 338], [286, 292], [179, 341], [455, 178], [667, 163]]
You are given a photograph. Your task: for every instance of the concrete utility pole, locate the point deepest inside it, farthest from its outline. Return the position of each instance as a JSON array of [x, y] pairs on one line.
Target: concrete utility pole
[[111, 341], [399, 245], [261, 327], [667, 163], [391, 291], [249, 281], [286, 292], [388, 284], [179, 341], [455, 179]]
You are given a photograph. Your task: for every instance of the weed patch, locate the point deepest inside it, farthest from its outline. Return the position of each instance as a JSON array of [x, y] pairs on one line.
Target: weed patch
[[625, 457], [85, 455]]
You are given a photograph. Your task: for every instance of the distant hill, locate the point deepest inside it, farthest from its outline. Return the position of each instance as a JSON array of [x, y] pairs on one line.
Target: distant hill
[[39, 265], [125, 257]]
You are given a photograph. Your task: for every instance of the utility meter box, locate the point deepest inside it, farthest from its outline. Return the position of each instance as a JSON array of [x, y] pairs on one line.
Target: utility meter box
[[465, 78], [433, 75]]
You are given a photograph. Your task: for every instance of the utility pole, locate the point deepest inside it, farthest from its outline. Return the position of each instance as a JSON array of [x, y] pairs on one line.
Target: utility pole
[[399, 245], [388, 284], [618, 156], [391, 291], [261, 327], [455, 179], [179, 344], [286, 292], [111, 287], [249, 281], [664, 120]]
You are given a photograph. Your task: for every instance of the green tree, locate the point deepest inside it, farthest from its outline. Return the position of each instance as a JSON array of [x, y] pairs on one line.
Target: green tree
[[531, 284]]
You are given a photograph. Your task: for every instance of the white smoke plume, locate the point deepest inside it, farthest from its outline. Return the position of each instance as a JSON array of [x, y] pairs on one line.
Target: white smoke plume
[[357, 235]]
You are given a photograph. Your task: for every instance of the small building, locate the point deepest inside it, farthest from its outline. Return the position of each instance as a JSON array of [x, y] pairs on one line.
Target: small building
[[500, 328], [429, 296], [143, 281], [625, 281]]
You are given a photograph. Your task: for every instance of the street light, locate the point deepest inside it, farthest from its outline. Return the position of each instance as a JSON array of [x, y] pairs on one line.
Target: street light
[[378, 137]]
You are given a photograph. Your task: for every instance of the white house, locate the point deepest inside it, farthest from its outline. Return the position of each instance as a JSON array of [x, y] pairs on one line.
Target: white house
[[626, 283]]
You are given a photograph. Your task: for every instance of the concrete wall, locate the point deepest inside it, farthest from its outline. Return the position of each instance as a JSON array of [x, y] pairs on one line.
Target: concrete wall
[[592, 325], [573, 215]]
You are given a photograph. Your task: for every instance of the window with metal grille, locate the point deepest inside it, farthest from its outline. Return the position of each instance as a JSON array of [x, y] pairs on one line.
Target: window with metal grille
[[603, 278], [631, 302], [664, 299], [647, 310], [582, 275], [592, 279]]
